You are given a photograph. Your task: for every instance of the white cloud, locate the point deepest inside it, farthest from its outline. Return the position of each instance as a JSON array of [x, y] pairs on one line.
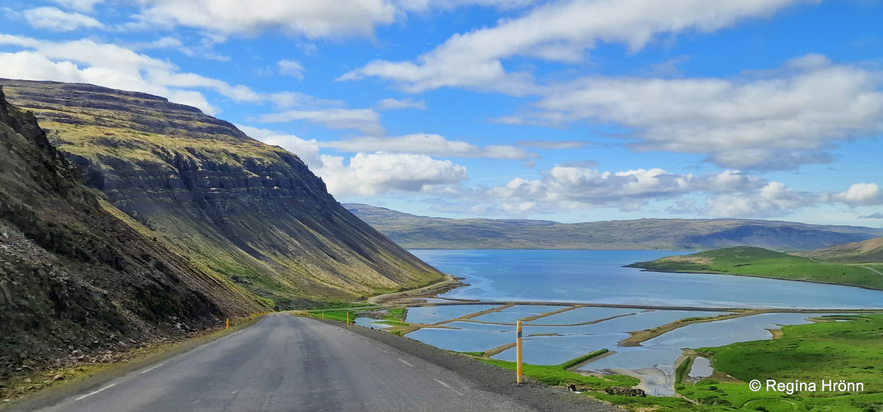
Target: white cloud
[[51, 18], [366, 121], [779, 121], [372, 174], [860, 194], [312, 19], [291, 68], [366, 174], [558, 31], [427, 5], [306, 150], [286, 100], [85, 6], [428, 144], [113, 66], [566, 187], [395, 104]]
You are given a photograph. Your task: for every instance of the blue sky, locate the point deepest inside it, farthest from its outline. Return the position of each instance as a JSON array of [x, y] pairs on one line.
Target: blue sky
[[574, 110]]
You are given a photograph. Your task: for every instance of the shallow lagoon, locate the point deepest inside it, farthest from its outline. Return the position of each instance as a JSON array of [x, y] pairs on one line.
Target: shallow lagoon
[[428, 315], [514, 313]]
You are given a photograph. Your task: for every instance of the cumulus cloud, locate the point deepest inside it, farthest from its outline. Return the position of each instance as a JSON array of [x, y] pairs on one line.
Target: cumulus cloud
[[366, 174], [51, 18], [306, 150], [366, 121], [558, 31], [428, 144], [308, 18], [372, 174], [427, 5], [395, 104], [567, 187], [860, 194], [115, 66], [291, 68], [779, 121]]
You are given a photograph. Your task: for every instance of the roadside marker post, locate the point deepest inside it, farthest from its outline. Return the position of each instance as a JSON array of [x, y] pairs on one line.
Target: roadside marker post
[[347, 318], [228, 323], [518, 350]]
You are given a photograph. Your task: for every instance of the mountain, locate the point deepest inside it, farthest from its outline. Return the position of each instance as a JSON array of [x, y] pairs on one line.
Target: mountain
[[74, 279], [419, 232], [245, 212], [868, 251]]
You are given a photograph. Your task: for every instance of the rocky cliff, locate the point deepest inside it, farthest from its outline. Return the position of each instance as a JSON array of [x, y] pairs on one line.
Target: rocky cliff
[[239, 209], [76, 280]]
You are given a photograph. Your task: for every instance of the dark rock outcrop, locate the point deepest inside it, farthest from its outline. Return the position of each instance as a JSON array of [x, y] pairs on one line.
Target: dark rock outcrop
[[74, 279]]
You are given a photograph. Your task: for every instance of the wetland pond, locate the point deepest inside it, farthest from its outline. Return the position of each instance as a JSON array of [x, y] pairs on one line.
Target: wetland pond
[[598, 277]]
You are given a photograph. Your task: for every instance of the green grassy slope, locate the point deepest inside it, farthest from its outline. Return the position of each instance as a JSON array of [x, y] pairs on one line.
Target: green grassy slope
[[869, 251], [850, 351], [424, 232], [246, 212], [752, 261]]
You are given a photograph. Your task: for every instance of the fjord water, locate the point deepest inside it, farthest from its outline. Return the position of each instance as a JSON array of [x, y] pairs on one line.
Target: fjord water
[[598, 276]]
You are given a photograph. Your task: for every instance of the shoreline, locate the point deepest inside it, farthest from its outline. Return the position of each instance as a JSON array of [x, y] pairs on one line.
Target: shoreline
[[430, 291], [710, 272]]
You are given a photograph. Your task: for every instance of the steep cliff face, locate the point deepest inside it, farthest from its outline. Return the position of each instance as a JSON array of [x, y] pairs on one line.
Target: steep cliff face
[[75, 278], [238, 208]]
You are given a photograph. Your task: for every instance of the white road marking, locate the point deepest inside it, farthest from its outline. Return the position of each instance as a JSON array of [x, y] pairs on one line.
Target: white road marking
[[405, 362], [161, 364], [448, 386], [92, 393], [384, 351]]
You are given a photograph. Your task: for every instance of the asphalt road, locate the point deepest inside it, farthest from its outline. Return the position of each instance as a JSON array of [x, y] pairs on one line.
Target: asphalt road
[[286, 363]]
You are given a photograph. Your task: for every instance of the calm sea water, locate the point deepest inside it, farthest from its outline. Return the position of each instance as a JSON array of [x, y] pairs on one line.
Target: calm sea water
[[599, 277]]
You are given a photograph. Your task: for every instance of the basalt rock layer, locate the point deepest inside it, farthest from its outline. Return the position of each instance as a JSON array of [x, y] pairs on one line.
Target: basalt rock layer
[[75, 279], [241, 210]]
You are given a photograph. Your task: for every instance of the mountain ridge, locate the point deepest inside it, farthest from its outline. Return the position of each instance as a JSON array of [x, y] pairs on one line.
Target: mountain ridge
[[75, 280], [246, 212], [420, 232]]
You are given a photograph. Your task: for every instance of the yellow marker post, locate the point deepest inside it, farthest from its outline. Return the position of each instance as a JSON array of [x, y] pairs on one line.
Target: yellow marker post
[[518, 350], [228, 323], [347, 318]]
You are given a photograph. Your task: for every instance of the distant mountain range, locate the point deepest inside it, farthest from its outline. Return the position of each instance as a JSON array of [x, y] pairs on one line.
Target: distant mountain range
[[420, 232]]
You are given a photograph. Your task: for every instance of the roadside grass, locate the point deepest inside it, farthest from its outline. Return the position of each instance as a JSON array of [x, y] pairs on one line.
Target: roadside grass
[[339, 315], [557, 375], [753, 261]]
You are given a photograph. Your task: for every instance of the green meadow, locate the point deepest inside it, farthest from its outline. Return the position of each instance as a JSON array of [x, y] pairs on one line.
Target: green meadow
[[753, 261]]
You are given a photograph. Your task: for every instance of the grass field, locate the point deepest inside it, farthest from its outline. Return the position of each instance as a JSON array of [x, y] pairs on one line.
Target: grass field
[[752, 261], [848, 348]]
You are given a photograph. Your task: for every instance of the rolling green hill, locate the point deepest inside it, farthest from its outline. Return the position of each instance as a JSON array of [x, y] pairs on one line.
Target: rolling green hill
[[753, 261], [420, 232], [243, 211], [869, 251]]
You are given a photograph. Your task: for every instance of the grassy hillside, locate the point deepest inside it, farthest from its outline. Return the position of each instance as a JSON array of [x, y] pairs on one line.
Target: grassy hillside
[[246, 212], [869, 251], [420, 232], [752, 261]]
